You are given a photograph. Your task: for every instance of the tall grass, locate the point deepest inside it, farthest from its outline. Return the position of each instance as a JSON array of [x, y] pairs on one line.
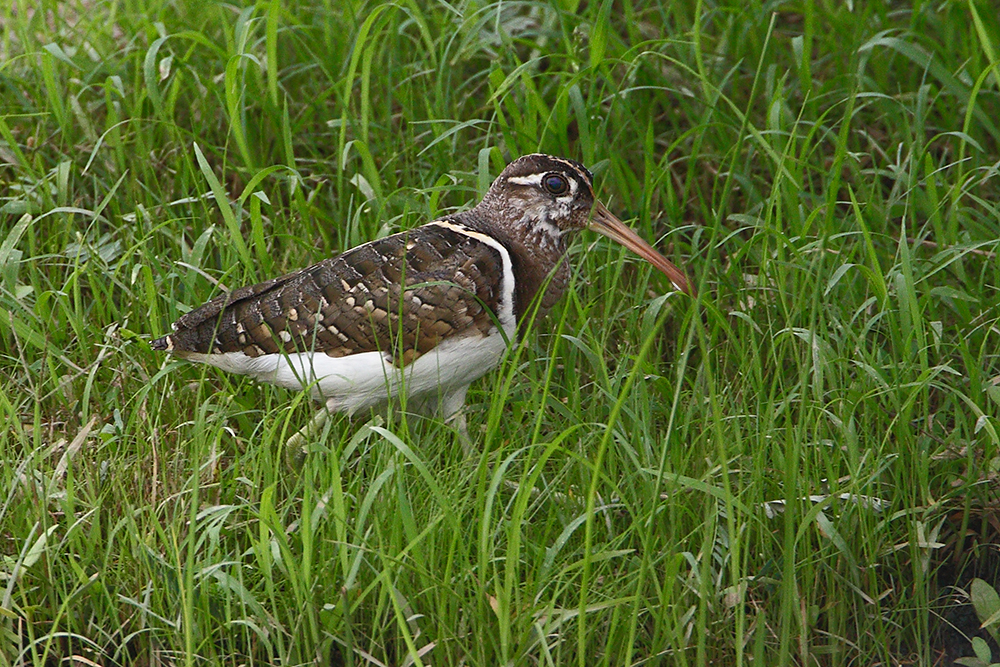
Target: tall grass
[[769, 474]]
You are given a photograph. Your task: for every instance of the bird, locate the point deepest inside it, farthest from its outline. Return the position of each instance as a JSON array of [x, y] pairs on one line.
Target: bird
[[419, 314]]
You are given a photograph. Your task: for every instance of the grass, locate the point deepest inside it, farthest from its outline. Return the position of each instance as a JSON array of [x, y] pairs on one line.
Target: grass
[[770, 474]]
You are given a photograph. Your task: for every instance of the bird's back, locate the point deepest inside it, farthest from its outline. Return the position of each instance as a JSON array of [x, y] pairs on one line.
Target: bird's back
[[400, 295]]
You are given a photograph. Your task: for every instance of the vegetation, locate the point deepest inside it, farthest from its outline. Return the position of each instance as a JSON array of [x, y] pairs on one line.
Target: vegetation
[[769, 474]]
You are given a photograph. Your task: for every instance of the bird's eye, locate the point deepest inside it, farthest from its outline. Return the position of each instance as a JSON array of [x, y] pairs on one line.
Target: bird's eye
[[556, 184]]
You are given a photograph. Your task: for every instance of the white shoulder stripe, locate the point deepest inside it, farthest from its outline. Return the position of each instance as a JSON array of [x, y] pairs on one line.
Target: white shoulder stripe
[[506, 314]]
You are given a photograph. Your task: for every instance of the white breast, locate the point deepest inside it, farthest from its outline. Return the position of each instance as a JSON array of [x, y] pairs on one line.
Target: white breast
[[365, 380]]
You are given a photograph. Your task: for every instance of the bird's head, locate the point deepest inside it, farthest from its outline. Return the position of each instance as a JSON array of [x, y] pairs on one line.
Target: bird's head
[[553, 195]]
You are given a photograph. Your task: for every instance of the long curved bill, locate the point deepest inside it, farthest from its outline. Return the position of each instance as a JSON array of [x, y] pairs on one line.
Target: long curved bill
[[605, 222]]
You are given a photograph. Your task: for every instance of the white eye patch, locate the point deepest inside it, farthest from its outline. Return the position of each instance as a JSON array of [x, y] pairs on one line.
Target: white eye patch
[[533, 179], [566, 199], [536, 181]]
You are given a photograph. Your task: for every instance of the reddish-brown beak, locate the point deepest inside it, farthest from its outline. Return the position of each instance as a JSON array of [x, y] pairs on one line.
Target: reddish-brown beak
[[605, 222]]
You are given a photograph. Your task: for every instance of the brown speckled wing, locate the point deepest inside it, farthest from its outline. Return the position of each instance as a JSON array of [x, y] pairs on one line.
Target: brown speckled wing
[[401, 295]]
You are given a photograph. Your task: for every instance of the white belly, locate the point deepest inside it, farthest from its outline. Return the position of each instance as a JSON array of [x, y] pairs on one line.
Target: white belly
[[368, 379]]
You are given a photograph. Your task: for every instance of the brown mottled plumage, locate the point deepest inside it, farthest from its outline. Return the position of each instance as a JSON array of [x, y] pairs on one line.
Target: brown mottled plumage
[[356, 302]]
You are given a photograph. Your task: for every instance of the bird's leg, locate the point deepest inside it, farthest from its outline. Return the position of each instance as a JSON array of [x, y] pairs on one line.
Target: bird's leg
[[295, 446], [458, 421], [452, 410]]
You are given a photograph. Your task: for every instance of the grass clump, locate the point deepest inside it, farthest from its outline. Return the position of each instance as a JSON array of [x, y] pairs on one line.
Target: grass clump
[[770, 474]]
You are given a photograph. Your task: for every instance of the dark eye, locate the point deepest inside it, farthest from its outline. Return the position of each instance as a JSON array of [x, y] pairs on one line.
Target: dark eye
[[555, 184]]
